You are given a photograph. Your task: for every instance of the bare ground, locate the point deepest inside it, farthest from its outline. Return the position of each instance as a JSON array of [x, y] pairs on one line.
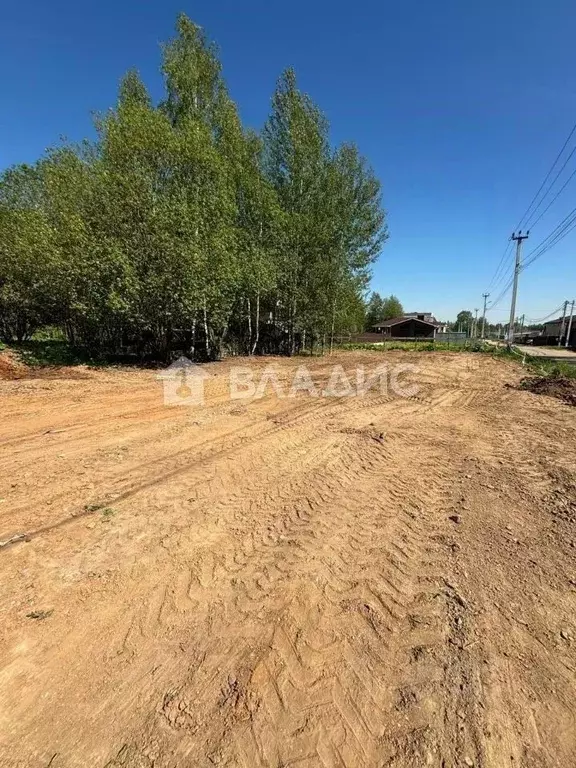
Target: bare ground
[[305, 582]]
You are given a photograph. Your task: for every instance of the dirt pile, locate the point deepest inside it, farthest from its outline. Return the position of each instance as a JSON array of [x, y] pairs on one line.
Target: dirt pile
[[554, 386], [10, 366]]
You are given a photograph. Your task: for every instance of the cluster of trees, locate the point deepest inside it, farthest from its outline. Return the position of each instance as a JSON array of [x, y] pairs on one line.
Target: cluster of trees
[[464, 322], [467, 322], [379, 309], [178, 228]]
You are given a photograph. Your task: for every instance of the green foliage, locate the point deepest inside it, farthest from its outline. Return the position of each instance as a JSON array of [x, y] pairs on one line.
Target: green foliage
[[536, 365], [464, 321], [417, 346], [558, 370], [93, 507], [178, 229], [379, 309], [374, 311], [391, 307], [50, 352]]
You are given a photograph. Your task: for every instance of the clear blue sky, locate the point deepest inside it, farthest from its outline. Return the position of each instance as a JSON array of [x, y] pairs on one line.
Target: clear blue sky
[[460, 107]]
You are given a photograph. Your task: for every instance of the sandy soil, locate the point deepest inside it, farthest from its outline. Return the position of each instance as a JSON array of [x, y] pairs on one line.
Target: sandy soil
[[374, 581]]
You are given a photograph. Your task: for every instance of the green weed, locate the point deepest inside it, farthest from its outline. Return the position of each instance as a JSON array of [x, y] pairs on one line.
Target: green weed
[[92, 507]]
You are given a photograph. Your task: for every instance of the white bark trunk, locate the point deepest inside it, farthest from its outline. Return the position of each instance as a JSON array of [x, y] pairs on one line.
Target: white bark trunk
[[257, 332]]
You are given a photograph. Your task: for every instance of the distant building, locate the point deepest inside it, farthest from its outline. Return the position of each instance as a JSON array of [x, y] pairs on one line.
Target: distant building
[[553, 328], [426, 316], [414, 325]]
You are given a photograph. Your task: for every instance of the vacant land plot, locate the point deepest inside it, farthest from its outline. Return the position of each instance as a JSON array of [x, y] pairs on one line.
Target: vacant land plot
[[370, 581]]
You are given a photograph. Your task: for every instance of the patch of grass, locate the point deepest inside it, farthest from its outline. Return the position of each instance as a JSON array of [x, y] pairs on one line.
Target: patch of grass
[[92, 507], [537, 365], [553, 368], [474, 345], [49, 333], [108, 512], [49, 352]]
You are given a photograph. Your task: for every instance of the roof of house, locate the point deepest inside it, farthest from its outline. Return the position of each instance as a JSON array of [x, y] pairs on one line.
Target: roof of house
[[398, 320]]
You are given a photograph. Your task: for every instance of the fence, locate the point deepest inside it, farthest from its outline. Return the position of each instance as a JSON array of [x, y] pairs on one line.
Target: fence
[[452, 337]]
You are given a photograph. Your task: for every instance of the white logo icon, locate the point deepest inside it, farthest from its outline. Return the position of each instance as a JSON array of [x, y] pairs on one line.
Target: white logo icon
[[183, 383]]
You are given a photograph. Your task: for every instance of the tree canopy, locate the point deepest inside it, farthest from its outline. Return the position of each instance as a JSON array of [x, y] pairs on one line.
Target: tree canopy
[[464, 320], [379, 309], [178, 228]]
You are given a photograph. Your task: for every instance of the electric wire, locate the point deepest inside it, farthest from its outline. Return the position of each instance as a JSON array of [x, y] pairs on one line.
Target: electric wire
[[541, 187], [556, 196], [559, 232], [554, 180]]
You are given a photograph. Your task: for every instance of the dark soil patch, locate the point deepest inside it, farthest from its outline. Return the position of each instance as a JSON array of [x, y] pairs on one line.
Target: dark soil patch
[[554, 386]]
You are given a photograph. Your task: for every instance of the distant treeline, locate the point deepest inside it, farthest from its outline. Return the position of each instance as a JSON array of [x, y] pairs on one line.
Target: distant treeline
[[179, 229]]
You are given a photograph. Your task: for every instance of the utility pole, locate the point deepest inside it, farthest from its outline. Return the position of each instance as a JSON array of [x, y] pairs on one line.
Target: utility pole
[[519, 240], [522, 323], [475, 326], [485, 297], [570, 324], [563, 324]]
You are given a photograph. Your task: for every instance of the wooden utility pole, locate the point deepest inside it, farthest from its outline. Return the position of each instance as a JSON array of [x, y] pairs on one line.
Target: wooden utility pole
[[561, 334], [485, 297], [570, 324], [519, 240]]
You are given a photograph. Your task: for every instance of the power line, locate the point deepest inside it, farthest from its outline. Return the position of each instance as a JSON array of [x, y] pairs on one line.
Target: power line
[[550, 187], [541, 187], [539, 320], [505, 274], [566, 221], [501, 263], [528, 310], [557, 238], [558, 233], [560, 236], [503, 293], [500, 272], [556, 196]]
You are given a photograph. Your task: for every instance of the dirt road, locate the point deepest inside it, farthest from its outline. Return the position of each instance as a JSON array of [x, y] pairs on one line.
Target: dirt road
[[552, 353], [371, 581]]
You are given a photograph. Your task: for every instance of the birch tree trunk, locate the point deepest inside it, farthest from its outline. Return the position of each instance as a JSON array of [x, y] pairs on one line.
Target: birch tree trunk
[[257, 331], [249, 310], [333, 325], [207, 337]]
